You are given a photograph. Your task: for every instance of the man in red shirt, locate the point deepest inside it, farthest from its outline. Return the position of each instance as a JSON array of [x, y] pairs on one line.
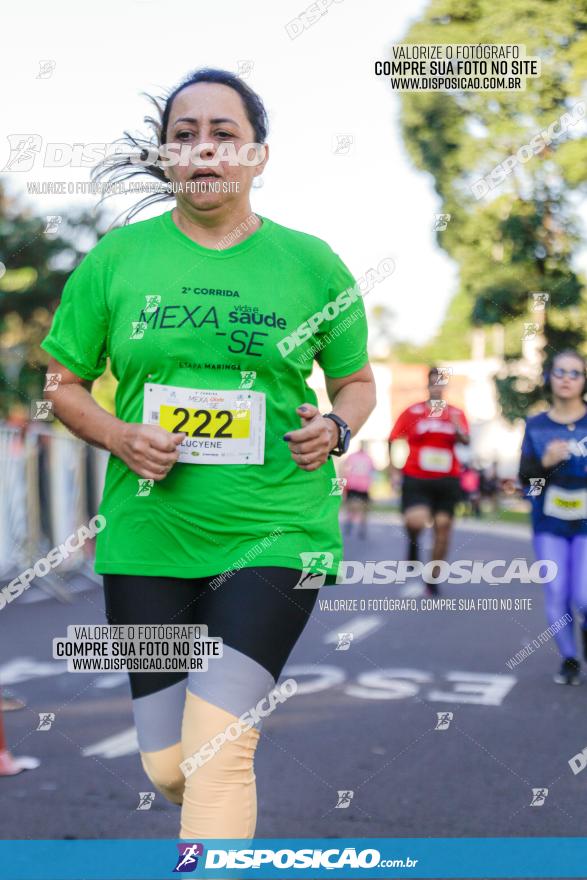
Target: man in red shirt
[[430, 483]]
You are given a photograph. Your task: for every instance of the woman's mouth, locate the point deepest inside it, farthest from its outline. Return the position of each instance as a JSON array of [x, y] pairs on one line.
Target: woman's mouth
[[205, 175]]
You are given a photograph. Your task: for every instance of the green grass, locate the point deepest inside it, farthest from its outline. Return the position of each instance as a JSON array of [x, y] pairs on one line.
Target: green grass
[[513, 516]]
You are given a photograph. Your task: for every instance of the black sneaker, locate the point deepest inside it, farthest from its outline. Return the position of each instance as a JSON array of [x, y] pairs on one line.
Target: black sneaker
[[570, 672], [584, 634]]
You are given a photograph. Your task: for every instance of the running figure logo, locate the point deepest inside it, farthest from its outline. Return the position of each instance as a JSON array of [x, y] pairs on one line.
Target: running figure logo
[[338, 484], [444, 719], [138, 329], [187, 861], [436, 408], [314, 570], [46, 68], [153, 301], [52, 381], [539, 301], [344, 641], [145, 486], [247, 378], [46, 719], [23, 150], [442, 376], [441, 222], [146, 799], [344, 799], [537, 484], [244, 67], [530, 331], [53, 223], [343, 144], [539, 795], [42, 410]]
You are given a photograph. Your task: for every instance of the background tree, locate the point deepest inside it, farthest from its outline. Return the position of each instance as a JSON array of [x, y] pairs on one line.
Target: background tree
[[523, 235], [36, 256]]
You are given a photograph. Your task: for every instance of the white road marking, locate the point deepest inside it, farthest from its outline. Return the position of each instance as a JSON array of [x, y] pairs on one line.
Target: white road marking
[[321, 677], [477, 688], [360, 626], [123, 743], [115, 679], [27, 668]]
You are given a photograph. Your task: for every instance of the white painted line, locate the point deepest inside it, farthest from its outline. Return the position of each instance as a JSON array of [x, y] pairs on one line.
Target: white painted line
[[115, 679], [123, 743], [27, 668], [458, 686], [360, 626]]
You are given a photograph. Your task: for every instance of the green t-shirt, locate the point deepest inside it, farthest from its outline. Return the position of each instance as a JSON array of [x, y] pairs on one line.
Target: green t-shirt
[[168, 311]]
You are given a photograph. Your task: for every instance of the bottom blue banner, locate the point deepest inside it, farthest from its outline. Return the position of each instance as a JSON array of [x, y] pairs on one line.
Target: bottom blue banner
[[377, 857]]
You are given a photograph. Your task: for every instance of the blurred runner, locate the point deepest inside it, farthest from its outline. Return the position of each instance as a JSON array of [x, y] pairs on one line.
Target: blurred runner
[[490, 488], [553, 468], [358, 471], [470, 486], [430, 483]]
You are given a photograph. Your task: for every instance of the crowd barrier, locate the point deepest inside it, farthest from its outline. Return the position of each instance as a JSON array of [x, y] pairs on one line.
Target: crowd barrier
[[50, 485]]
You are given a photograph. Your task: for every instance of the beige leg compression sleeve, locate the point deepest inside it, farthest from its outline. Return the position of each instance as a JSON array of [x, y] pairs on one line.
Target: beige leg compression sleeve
[[220, 796], [162, 768]]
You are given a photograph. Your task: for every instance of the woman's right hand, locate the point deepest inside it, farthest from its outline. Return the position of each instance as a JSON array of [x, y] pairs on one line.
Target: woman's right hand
[[556, 451], [148, 450]]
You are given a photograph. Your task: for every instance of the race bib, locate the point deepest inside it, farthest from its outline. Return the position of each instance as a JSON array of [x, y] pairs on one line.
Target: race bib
[[439, 460], [565, 503], [222, 427]]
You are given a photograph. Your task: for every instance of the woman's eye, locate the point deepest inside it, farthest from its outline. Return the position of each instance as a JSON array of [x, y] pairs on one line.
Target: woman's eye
[[224, 134], [183, 135]]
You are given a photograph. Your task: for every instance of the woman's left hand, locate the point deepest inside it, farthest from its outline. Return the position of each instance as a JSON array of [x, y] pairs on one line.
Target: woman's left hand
[[311, 444]]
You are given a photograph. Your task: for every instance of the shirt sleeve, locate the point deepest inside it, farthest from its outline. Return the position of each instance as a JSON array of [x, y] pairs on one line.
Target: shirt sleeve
[[79, 334], [400, 429], [342, 340], [463, 422], [530, 463]]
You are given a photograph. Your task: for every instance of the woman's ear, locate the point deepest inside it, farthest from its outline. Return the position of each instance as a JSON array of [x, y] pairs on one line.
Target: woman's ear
[[263, 159]]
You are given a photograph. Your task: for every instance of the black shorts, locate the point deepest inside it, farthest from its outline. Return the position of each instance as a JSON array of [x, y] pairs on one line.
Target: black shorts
[[440, 494], [255, 611], [355, 493]]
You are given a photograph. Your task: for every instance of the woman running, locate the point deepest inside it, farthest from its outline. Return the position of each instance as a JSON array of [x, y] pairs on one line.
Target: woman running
[[218, 488], [554, 468], [358, 472]]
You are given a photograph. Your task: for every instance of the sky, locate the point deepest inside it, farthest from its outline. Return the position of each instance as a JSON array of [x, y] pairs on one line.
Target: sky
[[369, 203]]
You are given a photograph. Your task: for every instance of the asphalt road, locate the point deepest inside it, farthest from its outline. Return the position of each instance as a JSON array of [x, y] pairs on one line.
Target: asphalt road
[[362, 721]]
